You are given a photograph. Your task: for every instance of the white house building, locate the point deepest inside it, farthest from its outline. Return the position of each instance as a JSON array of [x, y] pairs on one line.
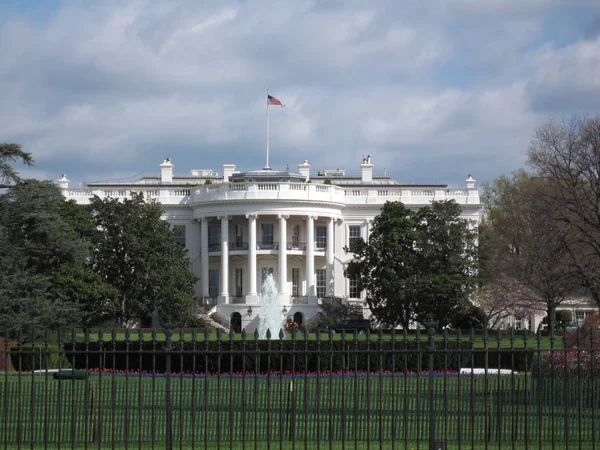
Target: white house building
[[238, 227]]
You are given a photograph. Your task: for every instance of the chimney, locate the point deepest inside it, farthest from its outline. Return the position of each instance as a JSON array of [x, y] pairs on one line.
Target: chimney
[[470, 182], [63, 183], [228, 170], [304, 169], [166, 171], [366, 170]]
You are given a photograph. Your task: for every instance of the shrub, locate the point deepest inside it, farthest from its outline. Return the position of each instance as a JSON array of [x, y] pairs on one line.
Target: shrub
[[28, 357], [289, 355], [588, 334], [562, 318]]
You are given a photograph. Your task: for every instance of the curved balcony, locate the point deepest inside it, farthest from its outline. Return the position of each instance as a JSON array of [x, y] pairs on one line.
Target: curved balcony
[[269, 191]]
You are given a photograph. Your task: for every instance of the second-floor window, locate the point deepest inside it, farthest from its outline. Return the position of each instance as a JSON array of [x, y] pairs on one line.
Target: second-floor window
[[179, 234], [353, 234], [267, 234], [295, 236], [239, 237], [321, 240], [214, 237]]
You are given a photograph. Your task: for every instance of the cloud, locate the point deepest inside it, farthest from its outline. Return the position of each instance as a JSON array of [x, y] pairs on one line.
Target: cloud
[[566, 79], [433, 90]]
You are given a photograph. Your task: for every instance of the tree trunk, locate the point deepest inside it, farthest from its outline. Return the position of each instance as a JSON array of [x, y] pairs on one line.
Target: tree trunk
[[551, 318]]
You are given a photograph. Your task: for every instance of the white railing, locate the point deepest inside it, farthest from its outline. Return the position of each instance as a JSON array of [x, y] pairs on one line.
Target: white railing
[[268, 191], [309, 192], [355, 193], [455, 192]]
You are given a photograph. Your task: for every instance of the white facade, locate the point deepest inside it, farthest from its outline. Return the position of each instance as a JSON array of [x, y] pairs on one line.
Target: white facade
[[240, 226]]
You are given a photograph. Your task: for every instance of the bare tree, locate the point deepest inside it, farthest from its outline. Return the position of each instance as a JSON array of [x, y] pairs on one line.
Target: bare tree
[[528, 245], [567, 156], [506, 297]]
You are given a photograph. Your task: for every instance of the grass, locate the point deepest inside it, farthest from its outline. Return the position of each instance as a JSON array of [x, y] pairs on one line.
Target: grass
[[360, 445], [224, 412]]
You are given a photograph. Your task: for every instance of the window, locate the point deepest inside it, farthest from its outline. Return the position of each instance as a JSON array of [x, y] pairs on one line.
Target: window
[[580, 315], [354, 288], [179, 234], [214, 237], [267, 234], [321, 283], [353, 234], [239, 237], [295, 282], [321, 241], [213, 283], [295, 236], [521, 324], [266, 271], [239, 282]]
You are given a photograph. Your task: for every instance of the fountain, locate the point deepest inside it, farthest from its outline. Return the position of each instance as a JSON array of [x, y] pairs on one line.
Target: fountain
[[270, 310]]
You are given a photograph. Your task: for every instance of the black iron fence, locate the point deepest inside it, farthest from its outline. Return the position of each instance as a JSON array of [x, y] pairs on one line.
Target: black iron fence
[[192, 389]]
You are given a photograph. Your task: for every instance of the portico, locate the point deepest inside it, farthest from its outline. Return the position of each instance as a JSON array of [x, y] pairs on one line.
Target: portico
[[238, 245]]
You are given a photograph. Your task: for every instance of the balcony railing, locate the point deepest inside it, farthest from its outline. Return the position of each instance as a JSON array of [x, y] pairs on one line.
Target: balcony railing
[[300, 300], [296, 245], [237, 246], [236, 300], [214, 246]]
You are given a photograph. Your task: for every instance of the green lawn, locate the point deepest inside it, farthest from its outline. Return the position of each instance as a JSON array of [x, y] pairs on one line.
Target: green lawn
[[223, 412]]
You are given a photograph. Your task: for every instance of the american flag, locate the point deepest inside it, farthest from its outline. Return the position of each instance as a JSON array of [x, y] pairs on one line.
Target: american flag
[[274, 101]]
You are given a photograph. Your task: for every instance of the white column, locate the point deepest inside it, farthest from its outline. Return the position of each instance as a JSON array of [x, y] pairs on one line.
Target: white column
[[283, 284], [192, 238], [330, 253], [310, 257], [224, 259], [338, 271], [369, 226], [252, 253], [204, 256]]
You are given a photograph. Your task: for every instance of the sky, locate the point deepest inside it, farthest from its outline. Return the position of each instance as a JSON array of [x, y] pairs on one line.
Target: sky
[[432, 89]]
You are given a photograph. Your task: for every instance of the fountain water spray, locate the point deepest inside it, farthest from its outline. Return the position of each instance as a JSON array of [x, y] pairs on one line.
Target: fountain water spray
[[270, 310]]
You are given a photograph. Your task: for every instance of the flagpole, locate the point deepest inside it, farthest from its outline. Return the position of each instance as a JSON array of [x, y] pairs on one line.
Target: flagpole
[[267, 99]]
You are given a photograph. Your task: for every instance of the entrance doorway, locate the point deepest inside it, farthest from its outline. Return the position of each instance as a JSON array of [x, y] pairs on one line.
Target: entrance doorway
[[235, 323], [298, 317]]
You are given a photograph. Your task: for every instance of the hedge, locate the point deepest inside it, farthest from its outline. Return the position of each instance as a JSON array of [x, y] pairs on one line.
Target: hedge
[[281, 356], [28, 357]]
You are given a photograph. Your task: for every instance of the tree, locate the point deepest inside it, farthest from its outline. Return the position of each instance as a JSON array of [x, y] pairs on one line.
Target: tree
[[30, 214], [530, 249], [567, 156], [416, 263], [25, 304], [386, 266], [135, 251], [11, 153], [48, 280], [447, 261], [467, 317]]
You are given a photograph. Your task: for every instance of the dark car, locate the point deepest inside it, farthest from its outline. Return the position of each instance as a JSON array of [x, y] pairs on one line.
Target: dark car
[[349, 325]]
